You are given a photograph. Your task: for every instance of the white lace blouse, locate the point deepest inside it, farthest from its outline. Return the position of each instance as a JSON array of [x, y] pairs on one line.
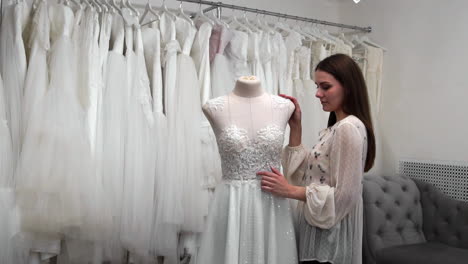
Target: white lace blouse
[[329, 223]]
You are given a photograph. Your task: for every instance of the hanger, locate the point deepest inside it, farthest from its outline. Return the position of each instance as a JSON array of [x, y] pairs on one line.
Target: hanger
[[110, 8], [166, 11], [103, 5], [218, 20], [201, 15], [248, 24], [238, 25], [96, 5], [115, 7], [149, 9], [184, 16], [262, 25], [346, 41], [129, 5], [87, 4], [366, 40]]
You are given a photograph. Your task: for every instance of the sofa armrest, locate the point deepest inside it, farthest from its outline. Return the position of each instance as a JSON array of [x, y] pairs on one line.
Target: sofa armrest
[[445, 220]]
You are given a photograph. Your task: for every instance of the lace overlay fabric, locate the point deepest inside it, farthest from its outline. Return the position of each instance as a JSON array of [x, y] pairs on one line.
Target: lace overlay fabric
[[242, 157]]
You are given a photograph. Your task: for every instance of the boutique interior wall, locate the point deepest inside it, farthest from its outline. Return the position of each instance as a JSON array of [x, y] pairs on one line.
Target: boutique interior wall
[[425, 85], [424, 112]]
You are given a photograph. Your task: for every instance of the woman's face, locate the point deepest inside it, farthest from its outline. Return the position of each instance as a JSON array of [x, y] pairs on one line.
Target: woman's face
[[329, 91]]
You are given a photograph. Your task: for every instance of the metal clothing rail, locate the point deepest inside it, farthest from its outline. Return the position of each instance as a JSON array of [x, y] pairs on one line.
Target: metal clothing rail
[[281, 15]]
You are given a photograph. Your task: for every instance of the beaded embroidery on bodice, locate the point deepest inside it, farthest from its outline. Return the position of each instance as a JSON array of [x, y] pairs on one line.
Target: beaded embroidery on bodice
[[242, 157]]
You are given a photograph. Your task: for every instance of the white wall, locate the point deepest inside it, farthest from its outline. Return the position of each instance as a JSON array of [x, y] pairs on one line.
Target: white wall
[[425, 98]]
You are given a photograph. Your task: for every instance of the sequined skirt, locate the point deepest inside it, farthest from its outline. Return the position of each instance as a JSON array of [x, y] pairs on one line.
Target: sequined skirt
[[247, 225]]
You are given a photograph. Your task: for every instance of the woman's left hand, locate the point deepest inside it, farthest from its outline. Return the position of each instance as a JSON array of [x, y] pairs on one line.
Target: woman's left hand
[[275, 183]]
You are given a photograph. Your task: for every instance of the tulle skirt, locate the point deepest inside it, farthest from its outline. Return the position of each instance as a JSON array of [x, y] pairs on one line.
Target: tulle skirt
[[111, 153], [55, 166], [140, 162], [247, 225]]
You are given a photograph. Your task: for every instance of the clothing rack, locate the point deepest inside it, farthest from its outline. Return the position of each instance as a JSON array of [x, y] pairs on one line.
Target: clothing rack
[[220, 5]]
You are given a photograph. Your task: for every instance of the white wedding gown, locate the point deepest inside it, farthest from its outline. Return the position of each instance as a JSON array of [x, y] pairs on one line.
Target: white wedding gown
[[246, 224], [140, 151], [55, 165], [8, 216], [13, 67]]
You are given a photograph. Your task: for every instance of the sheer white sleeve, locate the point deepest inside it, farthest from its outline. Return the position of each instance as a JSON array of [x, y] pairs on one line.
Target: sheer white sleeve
[[328, 204], [294, 161]]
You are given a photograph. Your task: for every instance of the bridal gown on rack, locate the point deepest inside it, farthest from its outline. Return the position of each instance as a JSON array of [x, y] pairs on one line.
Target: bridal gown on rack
[[253, 55], [13, 66], [222, 79], [266, 60], [188, 118], [245, 224], [236, 52], [55, 164], [168, 207], [8, 216], [112, 148], [211, 162], [140, 151], [35, 85]]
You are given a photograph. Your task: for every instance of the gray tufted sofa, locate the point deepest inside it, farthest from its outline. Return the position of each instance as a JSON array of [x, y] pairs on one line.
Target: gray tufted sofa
[[409, 221]]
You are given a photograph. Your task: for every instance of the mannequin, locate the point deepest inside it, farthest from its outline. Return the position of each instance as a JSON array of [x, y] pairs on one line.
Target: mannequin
[[245, 223], [250, 107]]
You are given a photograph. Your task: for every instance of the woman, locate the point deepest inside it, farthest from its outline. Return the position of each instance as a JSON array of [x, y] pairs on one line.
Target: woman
[[327, 179]]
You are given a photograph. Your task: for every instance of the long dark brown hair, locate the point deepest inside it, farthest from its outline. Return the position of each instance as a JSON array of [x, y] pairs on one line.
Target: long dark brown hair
[[356, 100]]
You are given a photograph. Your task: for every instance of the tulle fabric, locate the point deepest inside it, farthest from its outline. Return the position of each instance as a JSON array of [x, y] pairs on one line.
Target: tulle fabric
[[55, 164], [8, 218], [37, 75], [139, 179], [13, 68], [168, 207]]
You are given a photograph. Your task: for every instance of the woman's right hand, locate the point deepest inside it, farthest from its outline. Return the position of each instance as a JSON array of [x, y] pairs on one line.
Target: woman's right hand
[[295, 122], [295, 119]]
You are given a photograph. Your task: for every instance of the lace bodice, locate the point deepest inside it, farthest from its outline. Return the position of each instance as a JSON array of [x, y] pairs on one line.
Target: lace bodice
[[244, 152], [242, 157]]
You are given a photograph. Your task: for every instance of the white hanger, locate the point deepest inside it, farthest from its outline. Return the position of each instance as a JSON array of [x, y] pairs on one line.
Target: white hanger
[[201, 15], [184, 16], [218, 20], [116, 7], [166, 11], [87, 4], [97, 6], [149, 9], [248, 24], [238, 25], [366, 40], [346, 41], [263, 25], [129, 5], [103, 6]]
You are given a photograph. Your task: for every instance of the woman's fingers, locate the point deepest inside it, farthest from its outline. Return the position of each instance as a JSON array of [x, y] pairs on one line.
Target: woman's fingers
[[266, 188], [266, 173], [293, 100], [276, 171]]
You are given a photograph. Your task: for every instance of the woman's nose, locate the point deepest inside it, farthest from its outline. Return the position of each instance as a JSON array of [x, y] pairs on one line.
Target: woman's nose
[[319, 93]]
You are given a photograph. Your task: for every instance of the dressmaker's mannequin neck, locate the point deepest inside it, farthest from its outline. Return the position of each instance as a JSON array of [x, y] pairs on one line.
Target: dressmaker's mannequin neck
[[248, 87]]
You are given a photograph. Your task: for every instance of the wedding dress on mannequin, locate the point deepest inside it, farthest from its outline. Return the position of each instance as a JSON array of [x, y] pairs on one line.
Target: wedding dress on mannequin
[[245, 224]]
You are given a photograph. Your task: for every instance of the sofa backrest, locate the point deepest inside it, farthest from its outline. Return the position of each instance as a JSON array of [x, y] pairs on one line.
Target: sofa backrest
[[445, 219], [392, 214]]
